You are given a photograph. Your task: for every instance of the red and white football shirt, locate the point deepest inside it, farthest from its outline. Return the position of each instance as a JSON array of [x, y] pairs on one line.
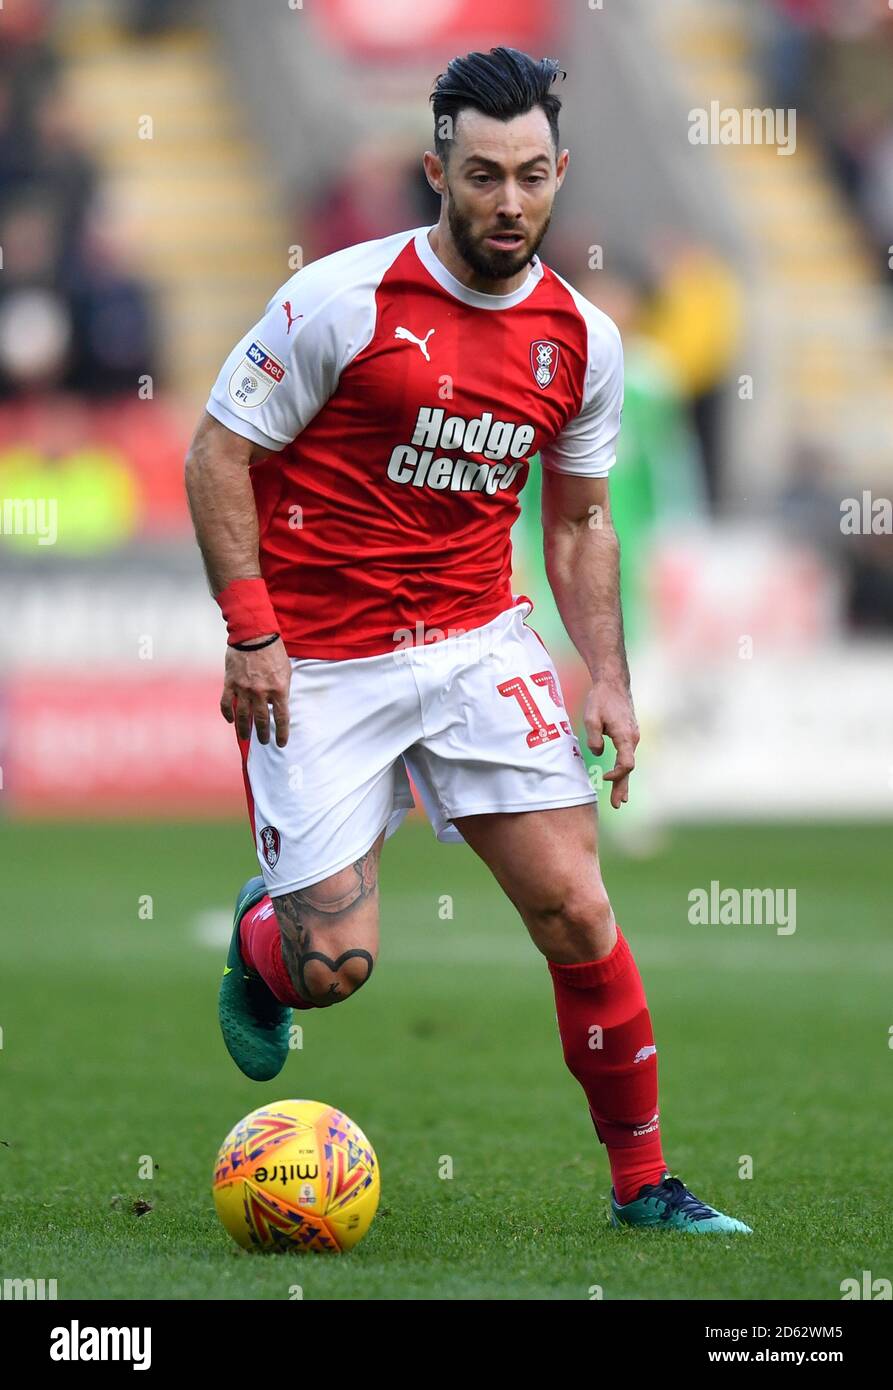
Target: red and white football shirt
[[401, 409]]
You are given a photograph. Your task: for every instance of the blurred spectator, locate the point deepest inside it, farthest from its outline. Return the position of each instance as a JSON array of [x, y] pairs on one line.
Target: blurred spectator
[[61, 168], [375, 195], [810, 509], [73, 314], [658, 478], [35, 319], [832, 60], [790, 49], [424, 203], [809, 505], [696, 318], [111, 313], [14, 143], [870, 595], [26, 22], [148, 18]]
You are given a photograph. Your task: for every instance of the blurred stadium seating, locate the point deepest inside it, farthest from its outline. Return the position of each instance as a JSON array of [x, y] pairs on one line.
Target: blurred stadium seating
[[164, 168]]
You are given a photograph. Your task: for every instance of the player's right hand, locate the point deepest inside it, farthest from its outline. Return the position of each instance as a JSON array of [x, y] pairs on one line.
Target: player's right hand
[[252, 682]]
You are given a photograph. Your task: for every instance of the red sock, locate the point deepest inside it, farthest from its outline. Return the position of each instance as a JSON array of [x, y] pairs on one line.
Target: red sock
[[621, 1090], [261, 947]]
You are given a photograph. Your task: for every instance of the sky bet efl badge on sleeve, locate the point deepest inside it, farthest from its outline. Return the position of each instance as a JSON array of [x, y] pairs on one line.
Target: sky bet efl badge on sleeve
[[255, 376]]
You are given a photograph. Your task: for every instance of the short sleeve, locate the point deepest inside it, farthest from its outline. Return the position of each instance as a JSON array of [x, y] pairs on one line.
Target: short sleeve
[[587, 446], [285, 368]]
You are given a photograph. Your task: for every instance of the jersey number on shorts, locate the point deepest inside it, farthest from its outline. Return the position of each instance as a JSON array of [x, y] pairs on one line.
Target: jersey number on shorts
[[541, 731]]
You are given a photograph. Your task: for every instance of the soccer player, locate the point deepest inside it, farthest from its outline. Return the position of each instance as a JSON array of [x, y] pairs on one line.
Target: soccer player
[[353, 484]]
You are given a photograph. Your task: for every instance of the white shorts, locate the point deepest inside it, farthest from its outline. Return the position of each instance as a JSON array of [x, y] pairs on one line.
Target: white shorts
[[477, 720]]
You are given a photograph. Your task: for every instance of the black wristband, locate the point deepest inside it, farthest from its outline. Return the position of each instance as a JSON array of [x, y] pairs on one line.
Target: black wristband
[[255, 646]]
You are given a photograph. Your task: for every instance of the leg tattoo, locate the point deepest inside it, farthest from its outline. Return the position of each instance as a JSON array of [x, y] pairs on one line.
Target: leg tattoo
[[306, 913]]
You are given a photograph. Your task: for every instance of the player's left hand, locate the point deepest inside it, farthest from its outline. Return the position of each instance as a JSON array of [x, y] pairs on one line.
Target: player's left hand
[[609, 710]]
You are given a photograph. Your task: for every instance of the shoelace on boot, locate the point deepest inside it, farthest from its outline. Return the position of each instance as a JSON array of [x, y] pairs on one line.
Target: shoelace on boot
[[676, 1197]]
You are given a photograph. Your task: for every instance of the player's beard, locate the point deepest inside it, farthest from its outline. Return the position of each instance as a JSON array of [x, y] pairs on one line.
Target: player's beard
[[490, 264]]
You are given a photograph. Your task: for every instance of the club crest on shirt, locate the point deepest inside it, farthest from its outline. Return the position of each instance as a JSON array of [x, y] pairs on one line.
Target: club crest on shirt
[[255, 376], [270, 844], [544, 361]]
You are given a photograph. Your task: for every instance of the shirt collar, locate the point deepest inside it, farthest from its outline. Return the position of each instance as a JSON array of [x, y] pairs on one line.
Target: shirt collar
[[476, 298]]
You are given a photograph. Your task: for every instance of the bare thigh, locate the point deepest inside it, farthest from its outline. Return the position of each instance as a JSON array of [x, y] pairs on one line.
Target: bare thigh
[[546, 862], [330, 931]]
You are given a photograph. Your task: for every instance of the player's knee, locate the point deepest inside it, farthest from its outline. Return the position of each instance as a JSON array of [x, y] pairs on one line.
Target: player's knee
[[326, 980], [589, 912], [576, 920]]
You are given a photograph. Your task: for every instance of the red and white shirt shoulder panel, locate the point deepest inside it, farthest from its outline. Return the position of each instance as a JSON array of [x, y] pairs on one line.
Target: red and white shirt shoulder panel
[[282, 372]]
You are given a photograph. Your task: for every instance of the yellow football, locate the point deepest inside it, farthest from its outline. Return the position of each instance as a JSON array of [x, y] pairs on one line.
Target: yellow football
[[296, 1175]]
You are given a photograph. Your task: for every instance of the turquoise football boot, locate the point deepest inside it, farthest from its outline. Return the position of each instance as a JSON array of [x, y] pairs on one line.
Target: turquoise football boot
[[253, 1022], [669, 1206]]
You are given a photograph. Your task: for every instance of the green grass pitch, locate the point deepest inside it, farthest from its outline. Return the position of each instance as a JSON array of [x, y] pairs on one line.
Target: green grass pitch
[[776, 1047]]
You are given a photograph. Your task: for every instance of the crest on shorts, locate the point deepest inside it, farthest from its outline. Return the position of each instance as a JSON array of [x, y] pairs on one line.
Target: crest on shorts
[[270, 844], [544, 361]]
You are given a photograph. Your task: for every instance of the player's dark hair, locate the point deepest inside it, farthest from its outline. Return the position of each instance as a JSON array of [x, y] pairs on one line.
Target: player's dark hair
[[503, 83]]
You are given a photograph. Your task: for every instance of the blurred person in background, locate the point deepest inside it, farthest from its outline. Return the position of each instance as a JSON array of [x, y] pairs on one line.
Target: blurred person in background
[[76, 322], [36, 340], [374, 195], [73, 312], [62, 169], [149, 18], [811, 509], [15, 151], [833, 61], [111, 310], [695, 318], [870, 576], [660, 478], [25, 47]]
